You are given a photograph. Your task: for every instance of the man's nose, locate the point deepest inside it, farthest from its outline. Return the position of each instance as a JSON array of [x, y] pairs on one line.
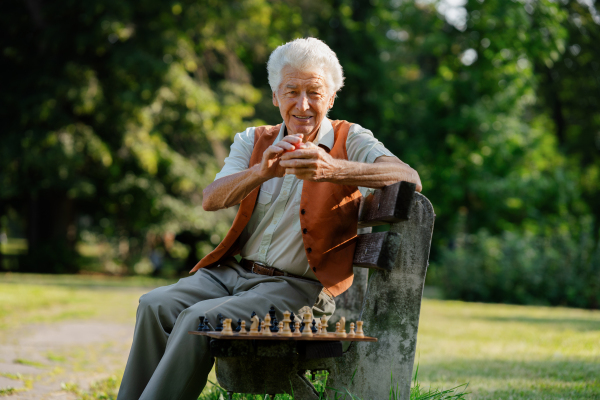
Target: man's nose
[[302, 103]]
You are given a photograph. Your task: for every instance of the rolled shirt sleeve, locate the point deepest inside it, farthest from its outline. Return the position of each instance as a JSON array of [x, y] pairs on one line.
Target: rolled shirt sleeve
[[239, 154], [362, 146]]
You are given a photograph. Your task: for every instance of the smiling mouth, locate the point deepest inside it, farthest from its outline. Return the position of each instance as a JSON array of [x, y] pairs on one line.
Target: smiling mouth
[[303, 117]]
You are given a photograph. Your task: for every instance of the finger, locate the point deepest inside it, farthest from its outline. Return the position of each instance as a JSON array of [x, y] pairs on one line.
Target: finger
[[301, 153], [273, 151], [298, 163], [285, 146], [293, 139]]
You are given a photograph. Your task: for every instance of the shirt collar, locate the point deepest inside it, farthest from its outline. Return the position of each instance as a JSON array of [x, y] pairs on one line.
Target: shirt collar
[[325, 137]]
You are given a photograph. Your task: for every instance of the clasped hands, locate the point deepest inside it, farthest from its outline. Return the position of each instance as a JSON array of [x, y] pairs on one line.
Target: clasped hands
[[291, 156]]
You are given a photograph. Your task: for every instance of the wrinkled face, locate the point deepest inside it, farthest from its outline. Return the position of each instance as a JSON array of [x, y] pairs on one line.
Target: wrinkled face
[[303, 98]]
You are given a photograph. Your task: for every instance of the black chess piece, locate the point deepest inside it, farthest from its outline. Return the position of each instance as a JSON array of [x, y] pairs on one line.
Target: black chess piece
[[274, 325], [238, 328], [301, 326], [220, 319], [313, 328], [201, 325], [259, 324], [253, 314], [206, 325], [272, 313], [292, 323]]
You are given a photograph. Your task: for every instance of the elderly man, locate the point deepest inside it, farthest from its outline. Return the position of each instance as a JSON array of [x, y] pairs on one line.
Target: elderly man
[[299, 186]]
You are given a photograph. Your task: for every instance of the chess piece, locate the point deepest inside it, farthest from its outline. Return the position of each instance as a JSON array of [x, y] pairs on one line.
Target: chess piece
[[297, 329], [285, 328], [206, 325], [266, 331], [340, 330], [313, 327], [254, 326], [220, 319], [306, 329], [359, 329], [227, 327], [272, 313], [238, 328], [280, 326], [292, 322], [201, 325], [274, 325], [252, 315], [351, 334], [324, 326], [319, 330]]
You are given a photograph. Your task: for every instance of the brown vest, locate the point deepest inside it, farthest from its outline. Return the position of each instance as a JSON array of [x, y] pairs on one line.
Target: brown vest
[[328, 215]]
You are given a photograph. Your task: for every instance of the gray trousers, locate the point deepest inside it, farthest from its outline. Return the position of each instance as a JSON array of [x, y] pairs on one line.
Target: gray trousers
[[165, 362]]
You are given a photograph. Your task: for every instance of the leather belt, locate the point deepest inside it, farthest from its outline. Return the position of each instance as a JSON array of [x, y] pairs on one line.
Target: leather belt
[[261, 269]]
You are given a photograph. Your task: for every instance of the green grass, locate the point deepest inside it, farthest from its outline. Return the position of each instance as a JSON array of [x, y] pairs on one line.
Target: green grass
[[501, 351]]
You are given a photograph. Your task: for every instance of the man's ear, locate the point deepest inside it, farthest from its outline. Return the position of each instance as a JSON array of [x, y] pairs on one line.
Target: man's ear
[[275, 102]]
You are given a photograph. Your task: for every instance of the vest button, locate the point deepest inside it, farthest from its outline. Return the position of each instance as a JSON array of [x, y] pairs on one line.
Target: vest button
[[315, 269], [309, 250], [304, 230], [303, 211]]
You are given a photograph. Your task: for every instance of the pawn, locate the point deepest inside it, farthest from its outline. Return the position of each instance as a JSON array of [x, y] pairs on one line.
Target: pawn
[[292, 322], [238, 328], [306, 330], [227, 327], [206, 325], [319, 328], [242, 328], [272, 313], [262, 327], [280, 327], [313, 328], [201, 325], [351, 334], [297, 331], [359, 329], [274, 324], [324, 326]]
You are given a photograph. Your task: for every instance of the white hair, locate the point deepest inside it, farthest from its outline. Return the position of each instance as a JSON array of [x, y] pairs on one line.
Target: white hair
[[306, 54]]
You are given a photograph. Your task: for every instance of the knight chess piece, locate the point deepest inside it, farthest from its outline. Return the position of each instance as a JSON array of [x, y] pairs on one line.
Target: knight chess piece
[[254, 326], [341, 328], [359, 329], [238, 328], [227, 327]]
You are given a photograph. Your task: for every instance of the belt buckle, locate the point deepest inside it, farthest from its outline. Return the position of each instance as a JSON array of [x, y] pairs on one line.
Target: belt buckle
[[256, 263]]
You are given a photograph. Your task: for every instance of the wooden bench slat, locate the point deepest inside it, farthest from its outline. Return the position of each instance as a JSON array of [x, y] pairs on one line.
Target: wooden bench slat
[[377, 250], [387, 205]]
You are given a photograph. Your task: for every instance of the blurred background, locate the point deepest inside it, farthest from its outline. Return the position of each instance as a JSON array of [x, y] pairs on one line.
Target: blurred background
[[118, 113]]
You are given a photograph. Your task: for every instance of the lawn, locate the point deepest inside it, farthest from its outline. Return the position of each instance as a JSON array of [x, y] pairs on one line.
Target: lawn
[[501, 351]]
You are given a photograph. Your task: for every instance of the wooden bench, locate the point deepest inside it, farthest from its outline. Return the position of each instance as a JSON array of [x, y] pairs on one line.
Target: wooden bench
[[390, 310]]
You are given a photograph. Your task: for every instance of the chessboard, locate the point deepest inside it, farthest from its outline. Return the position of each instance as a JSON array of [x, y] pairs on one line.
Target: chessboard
[[307, 329]]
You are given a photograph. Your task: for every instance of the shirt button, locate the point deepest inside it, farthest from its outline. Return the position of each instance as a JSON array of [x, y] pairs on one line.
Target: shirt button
[[315, 269], [309, 250], [304, 230], [303, 211]]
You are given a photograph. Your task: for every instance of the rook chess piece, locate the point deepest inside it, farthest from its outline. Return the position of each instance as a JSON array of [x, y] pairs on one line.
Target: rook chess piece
[[351, 334], [359, 329], [239, 325]]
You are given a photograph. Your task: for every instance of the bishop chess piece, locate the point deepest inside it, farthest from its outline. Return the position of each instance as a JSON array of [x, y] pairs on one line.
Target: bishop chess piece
[[306, 325], [220, 319], [359, 329], [238, 328], [340, 330], [201, 325], [324, 326], [292, 322], [285, 328], [351, 334], [266, 331]]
